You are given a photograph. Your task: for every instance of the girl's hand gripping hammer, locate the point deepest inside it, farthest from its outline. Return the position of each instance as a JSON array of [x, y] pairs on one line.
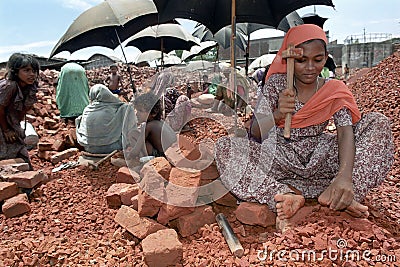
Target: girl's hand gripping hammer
[[291, 53]]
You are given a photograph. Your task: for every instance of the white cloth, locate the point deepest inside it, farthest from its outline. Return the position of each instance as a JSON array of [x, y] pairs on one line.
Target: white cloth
[[104, 120]]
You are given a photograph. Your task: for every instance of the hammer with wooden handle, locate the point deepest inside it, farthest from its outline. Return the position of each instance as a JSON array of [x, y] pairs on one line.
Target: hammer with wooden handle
[[291, 53], [96, 165]]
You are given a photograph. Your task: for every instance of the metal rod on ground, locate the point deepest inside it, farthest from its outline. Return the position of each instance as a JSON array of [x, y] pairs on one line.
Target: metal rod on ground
[[230, 237], [126, 61]]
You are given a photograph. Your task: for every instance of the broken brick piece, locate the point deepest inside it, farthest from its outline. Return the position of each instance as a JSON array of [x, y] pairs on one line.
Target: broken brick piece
[[16, 206], [138, 226], [64, 155], [125, 175], [7, 190], [162, 248], [121, 194], [255, 214], [189, 224], [28, 179]]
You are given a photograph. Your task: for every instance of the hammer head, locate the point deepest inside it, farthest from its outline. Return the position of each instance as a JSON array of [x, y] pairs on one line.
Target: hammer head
[[93, 166], [292, 52]]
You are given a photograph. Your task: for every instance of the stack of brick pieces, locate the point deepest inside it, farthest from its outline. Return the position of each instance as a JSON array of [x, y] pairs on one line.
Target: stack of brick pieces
[[165, 200], [15, 179]]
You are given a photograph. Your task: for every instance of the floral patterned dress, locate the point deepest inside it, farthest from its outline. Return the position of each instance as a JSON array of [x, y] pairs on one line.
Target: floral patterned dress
[[308, 161]]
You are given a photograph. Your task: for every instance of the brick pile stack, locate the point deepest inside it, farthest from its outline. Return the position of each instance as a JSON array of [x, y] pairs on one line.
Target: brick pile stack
[[168, 198], [15, 180], [379, 91]]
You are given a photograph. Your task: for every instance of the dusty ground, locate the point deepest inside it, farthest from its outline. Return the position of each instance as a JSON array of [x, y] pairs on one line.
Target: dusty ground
[[71, 225]]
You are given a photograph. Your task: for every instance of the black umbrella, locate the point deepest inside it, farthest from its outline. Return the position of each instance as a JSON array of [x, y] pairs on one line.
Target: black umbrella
[[216, 14], [108, 24], [313, 18], [166, 37], [291, 20], [222, 37]]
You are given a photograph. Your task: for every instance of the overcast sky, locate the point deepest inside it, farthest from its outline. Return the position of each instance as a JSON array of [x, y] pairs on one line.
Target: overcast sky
[[35, 26]]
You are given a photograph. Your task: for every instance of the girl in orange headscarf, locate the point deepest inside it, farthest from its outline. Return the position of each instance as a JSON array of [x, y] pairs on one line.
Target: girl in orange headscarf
[[338, 169]]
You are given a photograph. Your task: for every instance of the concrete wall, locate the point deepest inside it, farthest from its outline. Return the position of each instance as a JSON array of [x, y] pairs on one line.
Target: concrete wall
[[355, 55], [365, 55]]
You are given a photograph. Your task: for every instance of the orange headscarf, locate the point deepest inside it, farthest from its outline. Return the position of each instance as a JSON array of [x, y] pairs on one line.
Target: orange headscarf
[[295, 36], [330, 98]]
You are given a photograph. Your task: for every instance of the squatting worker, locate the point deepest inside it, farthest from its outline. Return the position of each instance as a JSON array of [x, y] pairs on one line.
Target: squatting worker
[[338, 169]]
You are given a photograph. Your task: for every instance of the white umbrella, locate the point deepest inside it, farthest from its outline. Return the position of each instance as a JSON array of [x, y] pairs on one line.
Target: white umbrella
[[199, 65], [149, 55], [170, 60], [262, 61], [164, 37], [198, 49]]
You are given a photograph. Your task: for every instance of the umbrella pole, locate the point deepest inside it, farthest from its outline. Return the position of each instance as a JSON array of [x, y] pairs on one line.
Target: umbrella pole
[[163, 105], [247, 55], [217, 54], [126, 61], [200, 79], [162, 68], [233, 59], [216, 60], [162, 53]]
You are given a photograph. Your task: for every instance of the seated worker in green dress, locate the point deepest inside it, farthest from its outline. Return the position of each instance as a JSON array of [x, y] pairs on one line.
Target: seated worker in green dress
[[72, 93]]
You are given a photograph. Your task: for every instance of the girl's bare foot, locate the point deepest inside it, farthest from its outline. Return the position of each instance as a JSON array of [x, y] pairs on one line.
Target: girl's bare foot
[[288, 204], [357, 210]]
